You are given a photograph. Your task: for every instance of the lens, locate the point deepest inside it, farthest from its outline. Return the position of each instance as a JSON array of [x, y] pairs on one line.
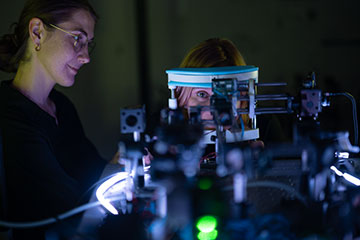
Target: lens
[[131, 121]]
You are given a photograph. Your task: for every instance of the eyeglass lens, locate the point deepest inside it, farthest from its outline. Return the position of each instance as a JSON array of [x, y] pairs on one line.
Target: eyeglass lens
[[81, 42]]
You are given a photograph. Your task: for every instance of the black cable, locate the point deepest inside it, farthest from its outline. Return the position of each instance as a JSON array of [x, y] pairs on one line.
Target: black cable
[[355, 121]]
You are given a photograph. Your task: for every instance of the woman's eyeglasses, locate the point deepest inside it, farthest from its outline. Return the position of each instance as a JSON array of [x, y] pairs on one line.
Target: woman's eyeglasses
[[81, 41]]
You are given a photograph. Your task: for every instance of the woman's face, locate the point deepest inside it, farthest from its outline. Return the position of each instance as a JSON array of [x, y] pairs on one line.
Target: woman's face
[[58, 56], [200, 97]]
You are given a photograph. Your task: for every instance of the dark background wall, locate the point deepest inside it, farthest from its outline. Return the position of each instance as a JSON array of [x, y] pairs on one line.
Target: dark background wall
[[137, 40]]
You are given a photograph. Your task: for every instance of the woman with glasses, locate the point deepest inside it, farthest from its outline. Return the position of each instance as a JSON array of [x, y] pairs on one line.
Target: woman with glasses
[[49, 162]]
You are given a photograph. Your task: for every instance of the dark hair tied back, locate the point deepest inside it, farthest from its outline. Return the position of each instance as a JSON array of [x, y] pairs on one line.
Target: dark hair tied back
[[9, 46]]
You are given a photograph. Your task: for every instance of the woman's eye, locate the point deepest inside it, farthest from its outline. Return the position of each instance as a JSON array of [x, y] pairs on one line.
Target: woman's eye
[[202, 94]]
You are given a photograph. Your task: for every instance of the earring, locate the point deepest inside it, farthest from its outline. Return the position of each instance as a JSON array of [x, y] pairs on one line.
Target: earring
[[37, 48]]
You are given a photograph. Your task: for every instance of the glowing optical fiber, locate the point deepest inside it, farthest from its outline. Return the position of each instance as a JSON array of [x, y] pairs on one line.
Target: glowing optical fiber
[[106, 186], [337, 172], [348, 177], [352, 179]]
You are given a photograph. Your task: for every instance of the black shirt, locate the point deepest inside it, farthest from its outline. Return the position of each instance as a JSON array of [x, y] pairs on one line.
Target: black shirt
[[48, 167]]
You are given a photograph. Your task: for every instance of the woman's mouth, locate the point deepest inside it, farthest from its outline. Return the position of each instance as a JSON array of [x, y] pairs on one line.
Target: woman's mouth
[[73, 69]]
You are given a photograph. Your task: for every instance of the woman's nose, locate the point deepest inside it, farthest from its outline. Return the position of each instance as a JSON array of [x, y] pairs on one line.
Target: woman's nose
[[84, 57], [206, 115]]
